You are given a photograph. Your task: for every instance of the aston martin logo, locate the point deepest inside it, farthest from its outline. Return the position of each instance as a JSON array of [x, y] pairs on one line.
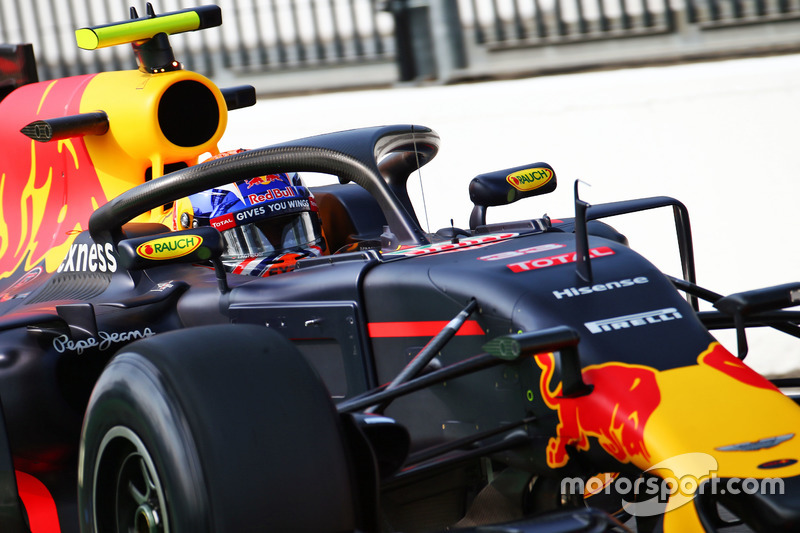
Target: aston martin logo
[[763, 444]]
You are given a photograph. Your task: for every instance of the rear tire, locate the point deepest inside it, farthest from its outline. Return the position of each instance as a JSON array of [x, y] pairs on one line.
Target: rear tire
[[222, 428]]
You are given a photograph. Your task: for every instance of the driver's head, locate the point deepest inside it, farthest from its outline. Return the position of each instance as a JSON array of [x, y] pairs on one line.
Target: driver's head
[[268, 223]]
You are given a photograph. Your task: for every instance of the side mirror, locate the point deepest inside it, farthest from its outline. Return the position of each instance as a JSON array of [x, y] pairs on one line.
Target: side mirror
[[503, 187], [187, 246]]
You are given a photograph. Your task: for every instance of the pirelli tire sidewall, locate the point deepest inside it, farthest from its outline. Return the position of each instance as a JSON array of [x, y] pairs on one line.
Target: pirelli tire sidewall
[[134, 405], [236, 427]]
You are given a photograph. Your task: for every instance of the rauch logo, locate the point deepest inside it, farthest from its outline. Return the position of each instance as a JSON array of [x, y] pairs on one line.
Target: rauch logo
[[169, 247], [530, 178]]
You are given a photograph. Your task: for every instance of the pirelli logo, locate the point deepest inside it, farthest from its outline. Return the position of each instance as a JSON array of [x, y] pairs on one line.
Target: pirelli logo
[[632, 321]]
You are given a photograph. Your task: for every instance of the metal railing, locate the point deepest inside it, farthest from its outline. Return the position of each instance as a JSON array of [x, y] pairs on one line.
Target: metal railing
[[257, 35], [418, 40], [553, 21]]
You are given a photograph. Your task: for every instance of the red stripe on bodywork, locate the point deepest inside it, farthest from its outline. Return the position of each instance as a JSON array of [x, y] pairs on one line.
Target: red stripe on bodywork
[[419, 329], [39, 504]]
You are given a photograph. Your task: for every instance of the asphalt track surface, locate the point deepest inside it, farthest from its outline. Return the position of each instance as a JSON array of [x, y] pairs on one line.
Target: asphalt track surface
[[719, 136]]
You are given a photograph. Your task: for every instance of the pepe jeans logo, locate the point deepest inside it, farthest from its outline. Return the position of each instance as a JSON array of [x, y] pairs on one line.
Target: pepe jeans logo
[[101, 343]]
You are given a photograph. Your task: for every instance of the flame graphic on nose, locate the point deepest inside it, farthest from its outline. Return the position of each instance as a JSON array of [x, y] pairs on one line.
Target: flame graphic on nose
[[49, 194]]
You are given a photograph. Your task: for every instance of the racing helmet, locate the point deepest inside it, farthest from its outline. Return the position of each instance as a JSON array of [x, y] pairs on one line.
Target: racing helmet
[[268, 223]]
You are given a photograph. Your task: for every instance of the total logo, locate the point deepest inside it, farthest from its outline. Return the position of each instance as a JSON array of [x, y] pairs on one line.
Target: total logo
[[169, 247], [224, 222], [563, 259], [601, 287], [89, 258]]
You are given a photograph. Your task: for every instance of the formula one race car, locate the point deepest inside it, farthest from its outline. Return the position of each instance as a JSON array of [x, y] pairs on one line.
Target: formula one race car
[[536, 375]]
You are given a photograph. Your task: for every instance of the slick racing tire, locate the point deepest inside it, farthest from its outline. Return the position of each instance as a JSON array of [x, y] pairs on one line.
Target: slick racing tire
[[221, 428]]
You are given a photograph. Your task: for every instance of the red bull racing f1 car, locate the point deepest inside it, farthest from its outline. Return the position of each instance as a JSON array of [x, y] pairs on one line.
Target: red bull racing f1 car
[[536, 375]]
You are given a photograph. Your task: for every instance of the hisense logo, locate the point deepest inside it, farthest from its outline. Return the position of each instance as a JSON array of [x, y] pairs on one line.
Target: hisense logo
[[600, 287]]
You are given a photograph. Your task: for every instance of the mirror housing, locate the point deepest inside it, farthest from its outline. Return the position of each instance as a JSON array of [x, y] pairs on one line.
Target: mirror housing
[[503, 187], [187, 246]]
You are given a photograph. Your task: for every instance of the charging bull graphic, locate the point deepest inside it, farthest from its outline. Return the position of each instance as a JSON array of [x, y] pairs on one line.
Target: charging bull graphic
[[624, 397], [615, 412], [721, 359]]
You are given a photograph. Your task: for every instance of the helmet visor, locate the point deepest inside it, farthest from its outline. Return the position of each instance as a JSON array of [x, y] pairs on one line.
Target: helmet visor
[[270, 235]]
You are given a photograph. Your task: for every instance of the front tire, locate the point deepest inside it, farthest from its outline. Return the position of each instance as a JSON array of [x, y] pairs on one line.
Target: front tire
[[222, 428]]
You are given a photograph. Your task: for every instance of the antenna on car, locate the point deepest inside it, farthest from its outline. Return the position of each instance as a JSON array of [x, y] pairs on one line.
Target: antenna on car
[[582, 258], [419, 176]]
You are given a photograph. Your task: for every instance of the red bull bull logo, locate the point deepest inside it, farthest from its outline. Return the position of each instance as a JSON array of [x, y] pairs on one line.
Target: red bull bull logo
[[615, 412], [262, 180]]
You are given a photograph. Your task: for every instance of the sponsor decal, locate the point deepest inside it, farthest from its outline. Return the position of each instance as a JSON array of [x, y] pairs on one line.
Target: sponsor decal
[[247, 214], [14, 290], [778, 463], [600, 287], [522, 251], [761, 444], [563, 259], [289, 205], [450, 246], [272, 194], [224, 222], [162, 286], [92, 257], [270, 208], [530, 178], [169, 247], [102, 342], [622, 400], [635, 320], [262, 180]]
